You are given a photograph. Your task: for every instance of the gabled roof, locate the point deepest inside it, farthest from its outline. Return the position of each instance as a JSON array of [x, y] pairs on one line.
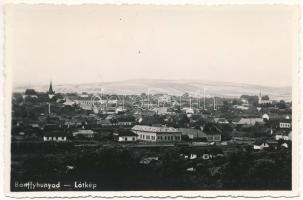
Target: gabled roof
[[250, 121], [83, 132], [260, 142], [56, 133], [126, 119], [220, 120], [126, 133], [192, 131], [155, 129], [211, 129]]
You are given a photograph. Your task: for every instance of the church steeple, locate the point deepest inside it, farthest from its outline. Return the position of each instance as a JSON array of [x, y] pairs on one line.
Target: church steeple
[[50, 90]]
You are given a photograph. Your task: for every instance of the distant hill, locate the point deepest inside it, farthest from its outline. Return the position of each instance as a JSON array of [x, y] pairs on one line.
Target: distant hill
[[174, 87]]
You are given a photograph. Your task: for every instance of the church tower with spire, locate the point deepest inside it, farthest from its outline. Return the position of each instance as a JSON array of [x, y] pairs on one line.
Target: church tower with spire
[[51, 92]]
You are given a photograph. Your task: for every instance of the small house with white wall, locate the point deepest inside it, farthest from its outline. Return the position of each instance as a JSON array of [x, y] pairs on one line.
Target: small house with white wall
[[284, 135], [260, 145], [55, 136], [125, 136]]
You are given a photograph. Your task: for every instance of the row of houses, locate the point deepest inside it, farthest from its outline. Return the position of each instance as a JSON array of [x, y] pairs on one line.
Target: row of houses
[[157, 133], [166, 134], [209, 132], [251, 121], [263, 145], [144, 133]]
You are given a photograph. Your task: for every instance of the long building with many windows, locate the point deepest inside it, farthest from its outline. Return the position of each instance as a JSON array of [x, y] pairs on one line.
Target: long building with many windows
[[157, 134]]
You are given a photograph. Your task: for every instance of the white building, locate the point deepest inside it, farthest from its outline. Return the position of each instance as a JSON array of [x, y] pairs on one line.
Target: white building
[[285, 125], [84, 133], [85, 104], [263, 101], [120, 109], [283, 137], [125, 136], [242, 107], [55, 136], [265, 116], [221, 121], [188, 110], [68, 102], [157, 134], [250, 121], [260, 146], [192, 133]]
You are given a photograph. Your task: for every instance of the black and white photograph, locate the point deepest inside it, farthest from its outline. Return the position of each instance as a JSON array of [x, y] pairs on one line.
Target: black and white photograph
[[118, 98]]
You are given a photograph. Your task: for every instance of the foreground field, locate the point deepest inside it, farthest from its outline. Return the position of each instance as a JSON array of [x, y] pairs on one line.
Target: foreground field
[[114, 167]]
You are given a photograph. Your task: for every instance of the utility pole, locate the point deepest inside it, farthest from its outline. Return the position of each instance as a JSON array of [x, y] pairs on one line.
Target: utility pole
[[49, 109]]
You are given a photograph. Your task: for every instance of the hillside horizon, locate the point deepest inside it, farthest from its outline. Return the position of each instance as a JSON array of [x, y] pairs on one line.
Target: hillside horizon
[[172, 87]]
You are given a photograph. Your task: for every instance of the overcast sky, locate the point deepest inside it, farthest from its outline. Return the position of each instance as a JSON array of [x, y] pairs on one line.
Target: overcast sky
[[80, 44]]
